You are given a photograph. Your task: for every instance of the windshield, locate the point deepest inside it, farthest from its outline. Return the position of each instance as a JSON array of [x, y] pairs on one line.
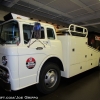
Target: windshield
[[9, 32]]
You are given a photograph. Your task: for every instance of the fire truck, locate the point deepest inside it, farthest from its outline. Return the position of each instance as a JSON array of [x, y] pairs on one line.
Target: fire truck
[[33, 52]]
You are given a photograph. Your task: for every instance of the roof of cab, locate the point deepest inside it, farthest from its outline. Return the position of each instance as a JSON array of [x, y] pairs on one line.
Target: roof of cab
[[27, 21]]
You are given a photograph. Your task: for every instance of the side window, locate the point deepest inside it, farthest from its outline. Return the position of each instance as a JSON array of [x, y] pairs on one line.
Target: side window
[[50, 33], [27, 31]]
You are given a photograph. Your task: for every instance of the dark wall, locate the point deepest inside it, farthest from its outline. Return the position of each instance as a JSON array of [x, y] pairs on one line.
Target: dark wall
[[1, 22], [92, 41]]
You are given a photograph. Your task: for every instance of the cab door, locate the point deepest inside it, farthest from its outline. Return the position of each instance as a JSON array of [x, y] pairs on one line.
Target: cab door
[[31, 54]]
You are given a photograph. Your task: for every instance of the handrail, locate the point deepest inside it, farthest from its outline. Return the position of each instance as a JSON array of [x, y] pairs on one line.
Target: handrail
[[78, 29], [74, 28]]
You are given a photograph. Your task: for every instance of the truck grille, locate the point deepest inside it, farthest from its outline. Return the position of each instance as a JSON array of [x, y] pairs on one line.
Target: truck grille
[[4, 76]]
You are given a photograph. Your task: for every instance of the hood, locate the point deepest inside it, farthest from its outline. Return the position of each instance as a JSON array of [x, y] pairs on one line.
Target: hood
[[8, 50]]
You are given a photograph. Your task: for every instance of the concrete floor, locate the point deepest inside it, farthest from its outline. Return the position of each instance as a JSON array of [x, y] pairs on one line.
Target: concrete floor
[[85, 86]]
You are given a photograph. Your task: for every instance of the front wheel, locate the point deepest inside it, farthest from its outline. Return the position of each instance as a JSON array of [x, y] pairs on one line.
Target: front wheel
[[49, 78]]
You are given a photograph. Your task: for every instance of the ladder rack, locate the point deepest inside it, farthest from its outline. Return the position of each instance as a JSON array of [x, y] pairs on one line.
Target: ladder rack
[[74, 29]]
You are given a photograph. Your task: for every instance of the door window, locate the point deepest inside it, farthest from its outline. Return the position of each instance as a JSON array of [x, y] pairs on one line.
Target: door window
[[28, 31]]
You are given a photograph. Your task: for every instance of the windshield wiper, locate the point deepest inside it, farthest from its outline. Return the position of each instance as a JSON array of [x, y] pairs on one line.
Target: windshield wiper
[[2, 41]]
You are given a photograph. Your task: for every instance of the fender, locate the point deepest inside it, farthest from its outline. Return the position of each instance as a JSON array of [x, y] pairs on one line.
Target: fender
[[39, 69]]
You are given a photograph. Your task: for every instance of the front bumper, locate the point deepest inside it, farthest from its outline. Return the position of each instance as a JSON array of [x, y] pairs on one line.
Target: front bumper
[[5, 85], [4, 79]]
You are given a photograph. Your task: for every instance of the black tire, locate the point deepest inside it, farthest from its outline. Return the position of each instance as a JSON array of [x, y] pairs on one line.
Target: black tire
[[49, 78]]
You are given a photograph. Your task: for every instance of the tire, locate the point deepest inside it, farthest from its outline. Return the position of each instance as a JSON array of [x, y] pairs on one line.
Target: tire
[[49, 78]]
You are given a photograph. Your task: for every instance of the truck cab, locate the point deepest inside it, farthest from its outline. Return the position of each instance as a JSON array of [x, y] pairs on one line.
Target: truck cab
[[23, 56]]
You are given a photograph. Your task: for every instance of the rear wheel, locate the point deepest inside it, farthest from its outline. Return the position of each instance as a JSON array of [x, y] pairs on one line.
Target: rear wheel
[[49, 78]]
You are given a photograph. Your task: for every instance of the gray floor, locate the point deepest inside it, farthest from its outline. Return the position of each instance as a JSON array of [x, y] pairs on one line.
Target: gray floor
[[85, 86]]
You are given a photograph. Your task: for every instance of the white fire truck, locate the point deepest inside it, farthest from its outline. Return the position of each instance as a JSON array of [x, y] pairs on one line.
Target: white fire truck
[[29, 56]]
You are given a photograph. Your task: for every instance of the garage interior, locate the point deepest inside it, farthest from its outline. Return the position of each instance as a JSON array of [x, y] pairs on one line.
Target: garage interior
[[61, 13]]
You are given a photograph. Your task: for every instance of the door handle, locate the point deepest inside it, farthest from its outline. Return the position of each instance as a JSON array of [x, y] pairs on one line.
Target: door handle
[[39, 48]]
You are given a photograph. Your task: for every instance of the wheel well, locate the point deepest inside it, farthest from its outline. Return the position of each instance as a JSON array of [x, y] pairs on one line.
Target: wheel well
[[57, 61]]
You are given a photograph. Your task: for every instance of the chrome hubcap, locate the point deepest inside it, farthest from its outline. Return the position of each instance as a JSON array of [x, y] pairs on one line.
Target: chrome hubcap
[[51, 78]]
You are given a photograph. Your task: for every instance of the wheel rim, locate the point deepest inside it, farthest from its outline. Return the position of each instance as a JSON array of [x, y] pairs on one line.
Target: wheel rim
[[51, 78]]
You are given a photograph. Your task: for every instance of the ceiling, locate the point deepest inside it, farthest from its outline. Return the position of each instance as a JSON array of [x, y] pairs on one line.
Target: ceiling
[[62, 12]]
